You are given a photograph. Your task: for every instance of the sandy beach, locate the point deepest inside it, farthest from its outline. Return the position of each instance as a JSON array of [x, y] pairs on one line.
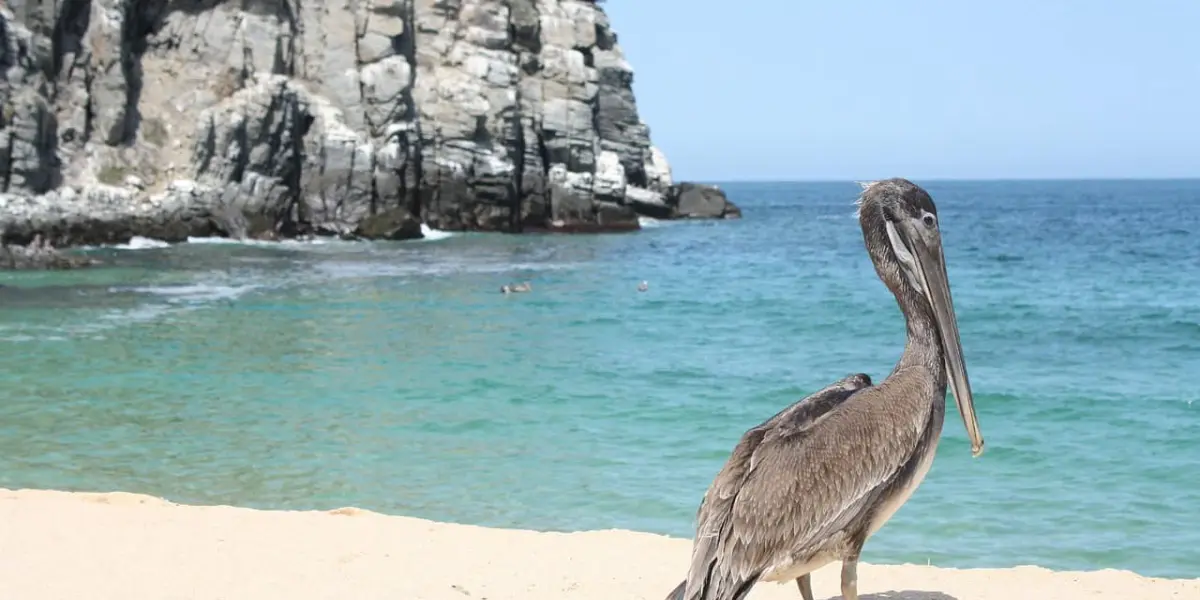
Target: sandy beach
[[130, 546]]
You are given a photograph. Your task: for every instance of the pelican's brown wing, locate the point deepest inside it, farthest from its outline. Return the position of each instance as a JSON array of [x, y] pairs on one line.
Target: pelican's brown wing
[[720, 521]]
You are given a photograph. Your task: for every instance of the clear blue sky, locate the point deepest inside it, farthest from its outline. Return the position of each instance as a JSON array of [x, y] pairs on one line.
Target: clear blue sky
[[792, 89]]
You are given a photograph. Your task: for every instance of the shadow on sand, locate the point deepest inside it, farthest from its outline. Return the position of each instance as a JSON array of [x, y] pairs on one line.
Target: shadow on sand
[[903, 595]]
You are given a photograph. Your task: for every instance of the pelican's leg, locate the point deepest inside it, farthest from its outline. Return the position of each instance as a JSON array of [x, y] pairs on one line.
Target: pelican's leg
[[804, 582], [850, 578]]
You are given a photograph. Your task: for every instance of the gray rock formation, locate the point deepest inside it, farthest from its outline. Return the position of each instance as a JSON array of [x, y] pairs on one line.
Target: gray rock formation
[[39, 255], [688, 201], [701, 201], [269, 118]]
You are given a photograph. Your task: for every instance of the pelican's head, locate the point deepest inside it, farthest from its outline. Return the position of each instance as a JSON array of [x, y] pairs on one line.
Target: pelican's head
[[900, 227]]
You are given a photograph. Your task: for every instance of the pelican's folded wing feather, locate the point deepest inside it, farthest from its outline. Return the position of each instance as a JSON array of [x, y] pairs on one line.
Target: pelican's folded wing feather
[[730, 550]]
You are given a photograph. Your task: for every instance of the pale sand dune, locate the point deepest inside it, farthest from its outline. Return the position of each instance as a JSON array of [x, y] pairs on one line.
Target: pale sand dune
[[128, 546]]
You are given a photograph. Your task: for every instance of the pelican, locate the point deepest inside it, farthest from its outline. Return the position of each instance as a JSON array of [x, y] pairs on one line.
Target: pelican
[[809, 485], [516, 288]]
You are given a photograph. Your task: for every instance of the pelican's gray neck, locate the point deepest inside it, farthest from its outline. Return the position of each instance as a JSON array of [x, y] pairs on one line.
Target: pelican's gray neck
[[924, 345]]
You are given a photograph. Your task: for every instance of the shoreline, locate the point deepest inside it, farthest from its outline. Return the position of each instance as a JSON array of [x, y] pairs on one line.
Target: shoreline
[[102, 215], [41, 245], [123, 545]]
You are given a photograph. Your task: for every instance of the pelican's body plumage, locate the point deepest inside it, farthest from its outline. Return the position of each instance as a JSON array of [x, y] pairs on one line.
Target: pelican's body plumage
[[809, 485]]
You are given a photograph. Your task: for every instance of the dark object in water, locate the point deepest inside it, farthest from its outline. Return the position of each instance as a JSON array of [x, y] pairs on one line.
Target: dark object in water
[[39, 254], [516, 288]]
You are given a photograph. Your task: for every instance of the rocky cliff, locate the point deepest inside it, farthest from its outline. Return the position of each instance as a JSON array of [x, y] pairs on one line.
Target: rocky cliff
[[273, 118]]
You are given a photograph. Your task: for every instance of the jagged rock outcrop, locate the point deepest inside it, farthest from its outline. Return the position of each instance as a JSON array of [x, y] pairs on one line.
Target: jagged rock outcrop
[[701, 201], [268, 118], [39, 255]]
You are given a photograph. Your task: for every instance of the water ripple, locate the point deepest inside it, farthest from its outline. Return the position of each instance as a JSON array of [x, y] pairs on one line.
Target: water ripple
[[395, 377]]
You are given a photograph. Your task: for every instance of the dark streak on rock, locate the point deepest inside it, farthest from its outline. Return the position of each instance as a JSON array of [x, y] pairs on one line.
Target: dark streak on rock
[[270, 157]]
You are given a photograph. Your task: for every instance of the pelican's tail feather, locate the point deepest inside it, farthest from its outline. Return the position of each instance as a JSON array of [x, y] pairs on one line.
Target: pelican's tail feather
[[677, 593], [739, 593]]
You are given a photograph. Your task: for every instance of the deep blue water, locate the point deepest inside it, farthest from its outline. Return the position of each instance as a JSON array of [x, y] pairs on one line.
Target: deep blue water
[[395, 377]]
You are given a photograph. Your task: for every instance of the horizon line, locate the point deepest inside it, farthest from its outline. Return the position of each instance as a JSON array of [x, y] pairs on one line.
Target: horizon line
[[941, 179]]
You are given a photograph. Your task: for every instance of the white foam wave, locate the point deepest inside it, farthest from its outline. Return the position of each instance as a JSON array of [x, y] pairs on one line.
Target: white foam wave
[[91, 328], [140, 314], [433, 235], [368, 270], [21, 338], [159, 301], [138, 242], [315, 241], [223, 240], [649, 222], [199, 292], [230, 241]]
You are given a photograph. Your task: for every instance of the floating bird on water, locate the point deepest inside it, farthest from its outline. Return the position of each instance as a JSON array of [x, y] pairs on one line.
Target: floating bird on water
[[516, 288], [643, 286], [809, 485]]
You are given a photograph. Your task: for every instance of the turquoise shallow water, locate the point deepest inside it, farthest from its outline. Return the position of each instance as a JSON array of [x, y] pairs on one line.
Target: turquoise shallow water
[[395, 377]]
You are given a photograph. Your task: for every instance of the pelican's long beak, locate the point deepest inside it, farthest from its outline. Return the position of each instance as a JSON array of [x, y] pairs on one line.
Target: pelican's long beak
[[932, 267]]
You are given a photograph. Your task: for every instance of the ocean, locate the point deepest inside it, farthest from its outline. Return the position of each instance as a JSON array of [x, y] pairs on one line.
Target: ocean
[[395, 376]]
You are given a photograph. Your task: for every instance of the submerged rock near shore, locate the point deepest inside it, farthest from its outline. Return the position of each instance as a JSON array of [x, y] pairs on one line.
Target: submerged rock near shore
[[362, 118], [39, 255]]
